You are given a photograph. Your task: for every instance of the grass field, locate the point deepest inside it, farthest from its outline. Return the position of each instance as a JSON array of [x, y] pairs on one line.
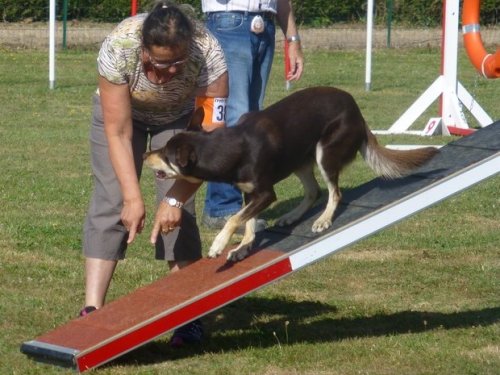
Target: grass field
[[422, 297]]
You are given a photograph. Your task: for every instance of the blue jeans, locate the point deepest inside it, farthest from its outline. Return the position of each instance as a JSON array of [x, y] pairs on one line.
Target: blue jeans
[[249, 57]]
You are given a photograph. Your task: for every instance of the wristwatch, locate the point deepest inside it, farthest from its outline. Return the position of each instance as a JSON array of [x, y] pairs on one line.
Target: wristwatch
[[172, 202]]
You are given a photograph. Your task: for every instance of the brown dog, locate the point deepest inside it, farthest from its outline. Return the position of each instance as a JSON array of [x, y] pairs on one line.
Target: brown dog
[[320, 125]]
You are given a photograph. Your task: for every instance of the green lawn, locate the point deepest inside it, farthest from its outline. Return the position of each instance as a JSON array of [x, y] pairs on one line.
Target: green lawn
[[422, 297]]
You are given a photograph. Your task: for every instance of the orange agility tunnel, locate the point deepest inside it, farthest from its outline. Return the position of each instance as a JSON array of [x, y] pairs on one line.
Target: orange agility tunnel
[[487, 64]]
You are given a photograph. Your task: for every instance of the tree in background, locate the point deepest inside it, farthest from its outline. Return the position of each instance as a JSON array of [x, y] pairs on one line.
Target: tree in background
[[310, 13]]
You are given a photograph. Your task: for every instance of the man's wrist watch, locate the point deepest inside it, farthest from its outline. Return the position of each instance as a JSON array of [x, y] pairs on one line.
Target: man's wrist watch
[[172, 202], [293, 38]]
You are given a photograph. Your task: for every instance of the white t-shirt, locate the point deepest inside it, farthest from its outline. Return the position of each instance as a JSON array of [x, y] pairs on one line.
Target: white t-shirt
[[239, 5], [120, 62]]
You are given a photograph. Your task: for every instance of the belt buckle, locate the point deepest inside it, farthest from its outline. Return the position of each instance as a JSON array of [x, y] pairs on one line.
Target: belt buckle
[[257, 25]]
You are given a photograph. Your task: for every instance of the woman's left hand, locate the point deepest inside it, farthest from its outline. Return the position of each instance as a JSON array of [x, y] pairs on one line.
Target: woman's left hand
[[167, 219]]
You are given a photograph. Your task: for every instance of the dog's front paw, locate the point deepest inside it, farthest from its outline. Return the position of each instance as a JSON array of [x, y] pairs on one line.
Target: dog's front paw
[[321, 225], [215, 251], [238, 254], [218, 245]]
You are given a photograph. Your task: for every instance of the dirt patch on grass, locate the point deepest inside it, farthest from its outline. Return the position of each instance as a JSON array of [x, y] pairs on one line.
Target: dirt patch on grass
[[90, 35]]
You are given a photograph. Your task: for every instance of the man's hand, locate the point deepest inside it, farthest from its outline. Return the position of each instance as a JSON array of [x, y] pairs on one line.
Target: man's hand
[[296, 58]]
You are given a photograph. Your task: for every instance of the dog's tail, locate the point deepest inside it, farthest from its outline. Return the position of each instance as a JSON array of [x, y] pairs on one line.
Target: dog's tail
[[390, 163]]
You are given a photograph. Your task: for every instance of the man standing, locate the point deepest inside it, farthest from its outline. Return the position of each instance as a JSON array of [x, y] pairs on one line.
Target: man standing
[[246, 31]]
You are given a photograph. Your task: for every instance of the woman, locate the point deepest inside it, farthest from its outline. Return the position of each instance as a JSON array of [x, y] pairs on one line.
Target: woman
[[151, 68]]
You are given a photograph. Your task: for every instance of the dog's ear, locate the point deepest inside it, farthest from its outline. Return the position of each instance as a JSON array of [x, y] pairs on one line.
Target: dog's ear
[[185, 155], [196, 120], [244, 117]]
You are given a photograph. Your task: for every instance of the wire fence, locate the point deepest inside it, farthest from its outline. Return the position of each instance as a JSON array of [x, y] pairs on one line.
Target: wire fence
[[90, 35]]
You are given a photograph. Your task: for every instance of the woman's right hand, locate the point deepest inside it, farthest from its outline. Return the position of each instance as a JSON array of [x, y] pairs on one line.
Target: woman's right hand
[[133, 217]]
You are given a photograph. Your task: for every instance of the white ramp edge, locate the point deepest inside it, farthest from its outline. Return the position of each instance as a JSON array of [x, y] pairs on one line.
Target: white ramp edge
[[395, 212]]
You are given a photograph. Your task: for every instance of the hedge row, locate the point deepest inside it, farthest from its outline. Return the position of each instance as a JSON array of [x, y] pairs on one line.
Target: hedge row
[[312, 13]]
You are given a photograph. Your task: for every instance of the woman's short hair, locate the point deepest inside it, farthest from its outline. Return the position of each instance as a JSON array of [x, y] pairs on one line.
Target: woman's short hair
[[168, 25]]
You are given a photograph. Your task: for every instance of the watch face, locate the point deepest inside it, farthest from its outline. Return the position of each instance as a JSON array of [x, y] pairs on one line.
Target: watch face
[[172, 202]]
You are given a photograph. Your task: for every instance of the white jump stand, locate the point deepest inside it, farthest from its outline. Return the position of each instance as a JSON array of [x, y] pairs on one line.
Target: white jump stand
[[454, 96]]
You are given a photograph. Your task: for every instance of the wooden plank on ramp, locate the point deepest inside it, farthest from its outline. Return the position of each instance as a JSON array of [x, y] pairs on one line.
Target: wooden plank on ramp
[[117, 328]]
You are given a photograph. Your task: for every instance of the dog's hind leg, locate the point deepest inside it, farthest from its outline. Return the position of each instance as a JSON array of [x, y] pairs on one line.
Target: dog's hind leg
[[331, 178], [311, 193]]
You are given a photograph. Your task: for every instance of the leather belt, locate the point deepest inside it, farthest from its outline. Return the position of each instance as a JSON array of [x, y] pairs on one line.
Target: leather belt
[[265, 15]]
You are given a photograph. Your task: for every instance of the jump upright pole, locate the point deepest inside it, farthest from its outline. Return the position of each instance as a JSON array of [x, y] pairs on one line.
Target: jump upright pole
[[133, 8], [52, 44], [446, 87]]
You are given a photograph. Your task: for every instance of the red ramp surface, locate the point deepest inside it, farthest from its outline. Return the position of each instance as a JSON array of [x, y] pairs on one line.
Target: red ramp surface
[[162, 306]]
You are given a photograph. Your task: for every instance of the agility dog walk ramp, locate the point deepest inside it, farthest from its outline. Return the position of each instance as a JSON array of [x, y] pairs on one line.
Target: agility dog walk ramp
[[180, 297]]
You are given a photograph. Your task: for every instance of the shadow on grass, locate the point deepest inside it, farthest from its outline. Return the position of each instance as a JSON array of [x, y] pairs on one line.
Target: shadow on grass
[[253, 322]]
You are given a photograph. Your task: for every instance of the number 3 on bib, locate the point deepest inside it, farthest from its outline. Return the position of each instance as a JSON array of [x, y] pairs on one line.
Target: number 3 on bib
[[215, 112]]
